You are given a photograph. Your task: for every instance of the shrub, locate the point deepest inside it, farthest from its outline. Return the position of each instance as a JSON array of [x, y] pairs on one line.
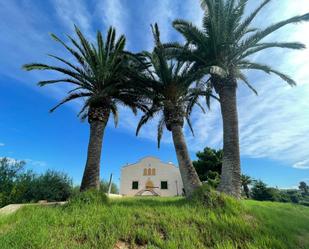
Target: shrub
[[52, 186], [261, 192], [304, 203]]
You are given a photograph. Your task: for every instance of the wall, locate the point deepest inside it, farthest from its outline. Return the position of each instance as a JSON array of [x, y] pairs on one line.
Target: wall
[[164, 172]]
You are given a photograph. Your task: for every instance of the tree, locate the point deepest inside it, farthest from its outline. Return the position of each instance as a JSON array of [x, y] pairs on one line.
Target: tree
[[245, 182], [99, 77], [19, 186], [9, 171], [261, 192], [52, 186], [166, 85], [304, 188], [223, 47], [209, 160]]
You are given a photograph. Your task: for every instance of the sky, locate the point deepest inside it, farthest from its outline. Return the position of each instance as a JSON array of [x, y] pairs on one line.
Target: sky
[[274, 126]]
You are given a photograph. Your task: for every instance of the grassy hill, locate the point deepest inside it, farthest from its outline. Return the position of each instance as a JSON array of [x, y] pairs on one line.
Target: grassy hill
[[169, 223]]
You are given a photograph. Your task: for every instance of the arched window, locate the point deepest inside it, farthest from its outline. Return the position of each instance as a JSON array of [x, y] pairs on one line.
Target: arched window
[[149, 172], [153, 172], [145, 172]]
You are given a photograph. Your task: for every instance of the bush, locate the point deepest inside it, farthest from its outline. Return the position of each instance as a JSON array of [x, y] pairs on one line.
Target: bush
[[261, 192], [91, 196], [304, 203]]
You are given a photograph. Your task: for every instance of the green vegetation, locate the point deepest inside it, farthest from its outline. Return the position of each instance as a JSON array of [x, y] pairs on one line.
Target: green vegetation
[[158, 223], [19, 186]]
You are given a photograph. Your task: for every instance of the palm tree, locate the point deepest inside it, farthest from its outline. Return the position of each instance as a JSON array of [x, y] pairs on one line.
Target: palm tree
[[224, 46], [245, 181], [99, 77], [166, 85]]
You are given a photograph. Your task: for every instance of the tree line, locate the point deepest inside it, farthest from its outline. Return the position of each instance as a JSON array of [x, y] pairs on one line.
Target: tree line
[[209, 165], [170, 81], [18, 185]]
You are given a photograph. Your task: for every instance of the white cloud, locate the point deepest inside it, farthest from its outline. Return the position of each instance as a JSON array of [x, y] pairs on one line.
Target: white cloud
[[11, 160], [113, 14], [2, 144], [302, 165], [27, 161], [36, 163], [76, 12]]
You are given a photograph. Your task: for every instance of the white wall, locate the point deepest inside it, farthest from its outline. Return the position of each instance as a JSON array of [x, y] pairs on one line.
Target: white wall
[[164, 172]]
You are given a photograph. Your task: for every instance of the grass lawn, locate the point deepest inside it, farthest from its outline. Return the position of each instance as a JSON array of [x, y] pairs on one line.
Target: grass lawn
[[157, 223]]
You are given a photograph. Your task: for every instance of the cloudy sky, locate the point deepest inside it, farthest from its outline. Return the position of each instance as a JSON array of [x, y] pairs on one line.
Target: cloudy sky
[[274, 126]]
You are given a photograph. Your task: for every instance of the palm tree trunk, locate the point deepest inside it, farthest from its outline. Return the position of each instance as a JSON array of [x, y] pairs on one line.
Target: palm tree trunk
[[91, 177], [188, 173], [231, 173]]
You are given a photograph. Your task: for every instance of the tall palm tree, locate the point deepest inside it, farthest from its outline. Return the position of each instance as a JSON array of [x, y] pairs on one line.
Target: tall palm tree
[[166, 85], [245, 182], [99, 78], [224, 46]]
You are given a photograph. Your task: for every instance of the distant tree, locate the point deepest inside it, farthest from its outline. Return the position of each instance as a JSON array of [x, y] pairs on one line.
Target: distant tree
[[52, 186], [209, 160], [295, 196], [245, 182], [304, 188], [20, 186], [9, 172], [261, 192]]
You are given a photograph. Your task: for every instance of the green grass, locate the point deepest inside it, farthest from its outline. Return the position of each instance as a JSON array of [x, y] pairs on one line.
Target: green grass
[[169, 223]]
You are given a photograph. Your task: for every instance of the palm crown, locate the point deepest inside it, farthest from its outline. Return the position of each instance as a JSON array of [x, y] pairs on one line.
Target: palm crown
[[166, 84], [227, 39], [99, 76]]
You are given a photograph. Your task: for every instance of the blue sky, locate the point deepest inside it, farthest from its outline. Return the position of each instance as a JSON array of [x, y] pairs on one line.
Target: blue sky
[[274, 126]]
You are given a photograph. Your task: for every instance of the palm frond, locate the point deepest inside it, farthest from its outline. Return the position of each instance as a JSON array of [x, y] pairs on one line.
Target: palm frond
[[69, 98], [114, 111], [266, 69], [160, 130], [242, 77], [262, 46]]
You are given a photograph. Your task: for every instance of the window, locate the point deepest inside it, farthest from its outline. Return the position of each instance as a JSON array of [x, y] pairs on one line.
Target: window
[[145, 172], [149, 172], [153, 172], [164, 185], [134, 185]]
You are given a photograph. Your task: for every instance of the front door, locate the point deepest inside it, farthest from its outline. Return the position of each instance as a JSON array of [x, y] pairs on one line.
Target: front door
[[149, 184]]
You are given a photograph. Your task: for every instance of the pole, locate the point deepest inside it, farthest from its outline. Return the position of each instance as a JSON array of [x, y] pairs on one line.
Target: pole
[[110, 184]]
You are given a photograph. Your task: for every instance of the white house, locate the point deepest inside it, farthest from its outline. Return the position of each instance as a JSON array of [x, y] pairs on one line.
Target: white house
[[150, 177]]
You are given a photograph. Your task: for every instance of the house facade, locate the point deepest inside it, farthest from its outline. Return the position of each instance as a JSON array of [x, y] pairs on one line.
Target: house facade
[[150, 177]]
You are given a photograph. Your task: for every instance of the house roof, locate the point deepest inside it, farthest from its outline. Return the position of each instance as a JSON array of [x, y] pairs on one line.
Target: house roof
[[146, 159]]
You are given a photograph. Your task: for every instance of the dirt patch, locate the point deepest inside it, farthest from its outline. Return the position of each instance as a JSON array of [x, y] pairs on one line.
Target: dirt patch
[[303, 240], [9, 209], [121, 244]]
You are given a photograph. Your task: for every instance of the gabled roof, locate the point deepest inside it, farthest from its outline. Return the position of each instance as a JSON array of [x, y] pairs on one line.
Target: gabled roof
[[146, 159]]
